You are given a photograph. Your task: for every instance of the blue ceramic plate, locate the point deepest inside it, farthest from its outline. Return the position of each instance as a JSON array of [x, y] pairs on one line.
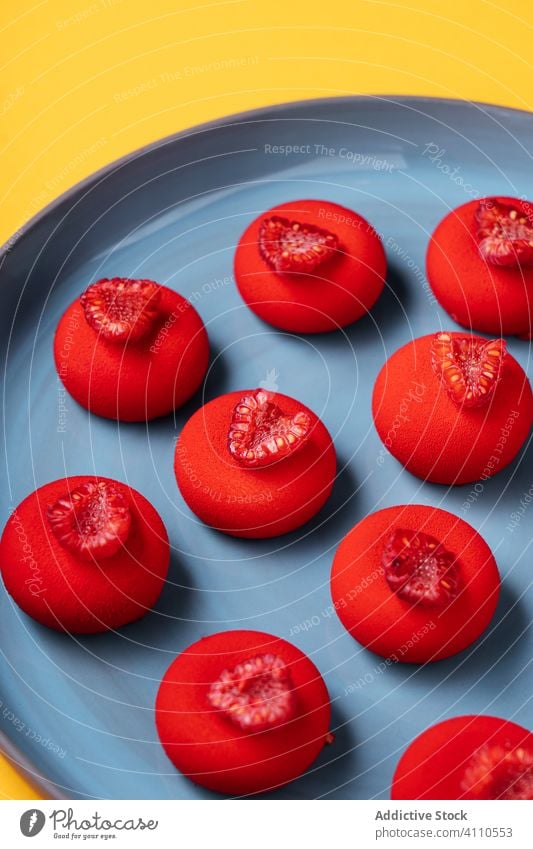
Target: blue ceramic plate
[[79, 711]]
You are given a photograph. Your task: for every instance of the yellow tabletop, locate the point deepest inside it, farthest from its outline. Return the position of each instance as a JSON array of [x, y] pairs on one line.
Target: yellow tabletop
[[86, 81]]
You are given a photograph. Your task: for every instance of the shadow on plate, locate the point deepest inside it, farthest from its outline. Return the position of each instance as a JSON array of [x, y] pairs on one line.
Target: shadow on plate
[[487, 665], [336, 764]]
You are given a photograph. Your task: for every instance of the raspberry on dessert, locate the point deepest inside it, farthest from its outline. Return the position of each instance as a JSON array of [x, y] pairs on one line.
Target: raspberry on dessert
[[414, 584], [469, 367], [286, 446], [505, 233], [292, 246], [122, 310], [256, 695], [467, 757], [310, 266], [260, 434], [420, 569], [453, 408], [131, 350], [499, 772], [93, 521], [99, 555], [242, 712], [480, 265]]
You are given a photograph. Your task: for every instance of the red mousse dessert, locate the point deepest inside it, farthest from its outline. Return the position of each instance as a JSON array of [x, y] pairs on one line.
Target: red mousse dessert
[[414, 583], [242, 712], [310, 266], [84, 554], [453, 408], [131, 349], [480, 265], [467, 757], [255, 463]]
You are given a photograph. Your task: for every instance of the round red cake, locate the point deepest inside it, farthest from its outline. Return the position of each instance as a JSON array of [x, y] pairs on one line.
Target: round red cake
[[255, 463], [242, 712], [84, 554], [131, 350], [310, 266], [480, 265], [467, 757], [414, 584], [453, 408]]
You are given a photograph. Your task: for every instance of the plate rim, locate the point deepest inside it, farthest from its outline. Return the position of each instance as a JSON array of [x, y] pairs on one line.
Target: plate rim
[[235, 117]]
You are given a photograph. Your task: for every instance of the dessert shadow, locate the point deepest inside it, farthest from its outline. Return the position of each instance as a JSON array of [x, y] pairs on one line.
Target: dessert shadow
[[173, 608], [336, 761], [390, 309]]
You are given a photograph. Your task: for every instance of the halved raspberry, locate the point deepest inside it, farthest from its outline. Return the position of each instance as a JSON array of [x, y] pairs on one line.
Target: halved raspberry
[[256, 695], [121, 310], [92, 521], [504, 233], [260, 434], [419, 569], [291, 246], [468, 366], [496, 772]]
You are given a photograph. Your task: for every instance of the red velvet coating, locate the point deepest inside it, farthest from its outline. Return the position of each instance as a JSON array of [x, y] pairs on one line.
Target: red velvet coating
[[84, 597], [141, 380], [214, 752], [434, 438], [335, 294], [244, 502], [392, 627], [478, 294], [433, 765]]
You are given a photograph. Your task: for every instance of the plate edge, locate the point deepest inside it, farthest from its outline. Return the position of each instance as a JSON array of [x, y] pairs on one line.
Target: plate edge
[[236, 117]]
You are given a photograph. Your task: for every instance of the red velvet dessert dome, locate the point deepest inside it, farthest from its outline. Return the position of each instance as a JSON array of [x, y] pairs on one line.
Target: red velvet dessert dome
[[414, 584], [480, 265], [131, 350], [453, 408], [255, 463], [84, 554], [467, 757], [242, 712], [310, 266]]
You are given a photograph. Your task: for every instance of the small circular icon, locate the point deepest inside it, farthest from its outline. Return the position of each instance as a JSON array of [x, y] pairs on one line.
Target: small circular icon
[[32, 822]]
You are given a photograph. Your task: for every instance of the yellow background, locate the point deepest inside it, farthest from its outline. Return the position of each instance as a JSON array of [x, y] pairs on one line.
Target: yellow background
[[85, 81]]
